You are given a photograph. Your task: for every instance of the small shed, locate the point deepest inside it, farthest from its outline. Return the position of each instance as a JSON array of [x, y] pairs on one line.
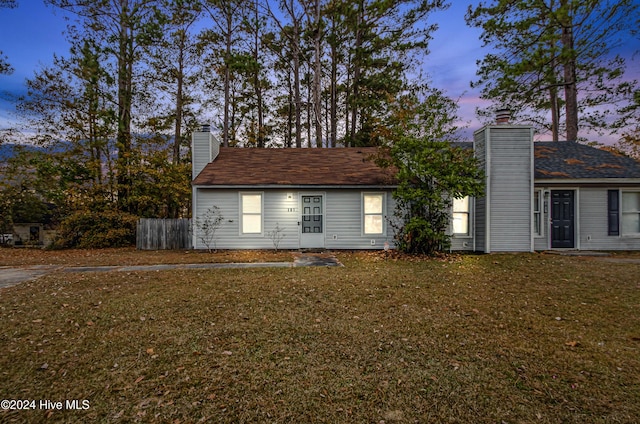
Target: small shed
[[28, 234]]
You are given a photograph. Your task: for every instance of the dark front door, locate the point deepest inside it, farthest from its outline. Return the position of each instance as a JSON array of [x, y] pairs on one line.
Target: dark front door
[[562, 219]]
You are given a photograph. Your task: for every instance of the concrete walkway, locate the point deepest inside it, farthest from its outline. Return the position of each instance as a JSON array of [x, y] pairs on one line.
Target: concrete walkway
[[10, 276]]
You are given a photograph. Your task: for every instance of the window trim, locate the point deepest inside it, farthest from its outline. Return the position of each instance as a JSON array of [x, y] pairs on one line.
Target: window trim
[[469, 213], [623, 213], [539, 212], [381, 214], [613, 213], [242, 213]]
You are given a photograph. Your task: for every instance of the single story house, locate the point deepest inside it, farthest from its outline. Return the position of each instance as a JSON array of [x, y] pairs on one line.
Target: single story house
[[538, 196]]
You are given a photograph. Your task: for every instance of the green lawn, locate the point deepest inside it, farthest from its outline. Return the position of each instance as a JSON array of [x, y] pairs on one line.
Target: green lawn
[[527, 338]]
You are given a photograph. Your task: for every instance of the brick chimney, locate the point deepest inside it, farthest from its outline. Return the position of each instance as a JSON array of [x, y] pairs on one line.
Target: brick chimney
[[503, 116]]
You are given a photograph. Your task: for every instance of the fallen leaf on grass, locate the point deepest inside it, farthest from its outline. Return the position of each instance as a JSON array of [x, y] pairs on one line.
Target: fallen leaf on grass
[[394, 415]]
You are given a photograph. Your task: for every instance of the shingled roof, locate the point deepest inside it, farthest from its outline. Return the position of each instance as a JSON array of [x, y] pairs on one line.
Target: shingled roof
[[356, 167], [295, 167], [570, 160]]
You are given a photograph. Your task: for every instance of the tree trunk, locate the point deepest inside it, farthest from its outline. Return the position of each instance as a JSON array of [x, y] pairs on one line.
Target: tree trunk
[[356, 74], [553, 102], [123, 137], [553, 88], [309, 107], [177, 135], [260, 136], [296, 81], [570, 84], [317, 75], [334, 91], [289, 135], [227, 79]]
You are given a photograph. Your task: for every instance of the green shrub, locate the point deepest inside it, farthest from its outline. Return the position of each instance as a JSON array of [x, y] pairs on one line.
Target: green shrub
[[97, 229]]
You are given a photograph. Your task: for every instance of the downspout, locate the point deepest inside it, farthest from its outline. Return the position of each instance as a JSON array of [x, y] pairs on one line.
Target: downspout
[[473, 228], [487, 154], [473, 206], [532, 179], [576, 219], [194, 204]]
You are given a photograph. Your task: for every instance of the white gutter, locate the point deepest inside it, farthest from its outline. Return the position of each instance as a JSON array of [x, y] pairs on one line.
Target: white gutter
[[532, 235], [293, 186], [487, 159], [194, 203], [572, 181]]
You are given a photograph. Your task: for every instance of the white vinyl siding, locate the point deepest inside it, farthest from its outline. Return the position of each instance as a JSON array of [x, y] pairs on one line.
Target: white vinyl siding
[[630, 222], [591, 219], [205, 148], [373, 211], [251, 216], [344, 221], [506, 154], [343, 218]]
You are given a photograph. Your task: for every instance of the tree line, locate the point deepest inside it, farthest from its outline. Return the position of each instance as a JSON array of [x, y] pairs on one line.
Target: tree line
[[114, 115], [116, 112]]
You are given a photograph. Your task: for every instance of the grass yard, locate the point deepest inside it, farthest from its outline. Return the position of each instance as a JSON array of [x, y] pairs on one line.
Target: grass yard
[[527, 338]]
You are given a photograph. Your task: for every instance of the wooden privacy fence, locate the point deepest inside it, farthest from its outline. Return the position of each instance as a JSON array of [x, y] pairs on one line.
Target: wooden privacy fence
[[163, 234]]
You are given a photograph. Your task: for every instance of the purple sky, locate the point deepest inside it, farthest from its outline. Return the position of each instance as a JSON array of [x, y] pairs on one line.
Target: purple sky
[[33, 32]]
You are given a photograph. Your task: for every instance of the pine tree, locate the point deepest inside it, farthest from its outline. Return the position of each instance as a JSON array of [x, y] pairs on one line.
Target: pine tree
[[121, 28], [227, 17], [555, 55], [174, 72]]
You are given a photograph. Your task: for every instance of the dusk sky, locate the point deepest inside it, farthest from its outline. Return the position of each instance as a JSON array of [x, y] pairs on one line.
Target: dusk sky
[[33, 32]]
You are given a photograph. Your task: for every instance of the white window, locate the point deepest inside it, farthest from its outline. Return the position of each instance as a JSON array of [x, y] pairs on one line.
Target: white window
[[461, 216], [373, 213], [630, 213], [537, 213], [251, 213]]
